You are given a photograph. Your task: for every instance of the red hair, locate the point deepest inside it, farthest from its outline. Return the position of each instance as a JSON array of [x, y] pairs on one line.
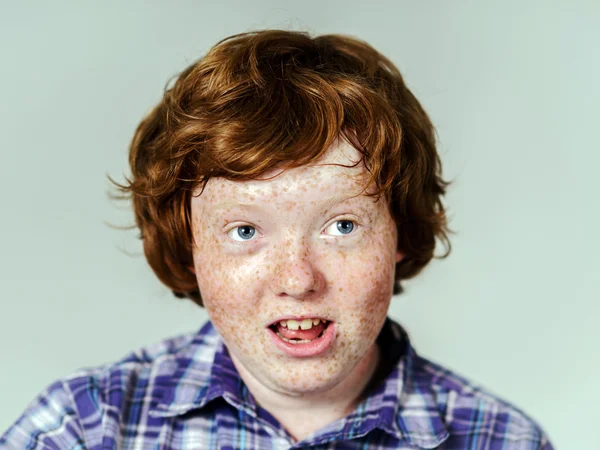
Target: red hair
[[274, 97]]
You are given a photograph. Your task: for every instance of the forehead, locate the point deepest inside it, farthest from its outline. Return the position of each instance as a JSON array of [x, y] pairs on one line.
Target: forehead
[[340, 169]]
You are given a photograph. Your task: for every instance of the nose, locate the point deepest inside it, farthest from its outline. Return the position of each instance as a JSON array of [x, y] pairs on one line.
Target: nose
[[295, 274]]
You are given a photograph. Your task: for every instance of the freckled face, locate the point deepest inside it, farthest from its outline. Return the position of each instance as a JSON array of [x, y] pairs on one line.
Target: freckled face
[[297, 244]]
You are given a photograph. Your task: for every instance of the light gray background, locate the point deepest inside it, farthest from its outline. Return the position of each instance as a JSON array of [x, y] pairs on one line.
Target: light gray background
[[512, 87]]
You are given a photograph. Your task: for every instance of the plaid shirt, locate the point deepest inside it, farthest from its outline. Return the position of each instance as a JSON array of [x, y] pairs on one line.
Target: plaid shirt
[[185, 393]]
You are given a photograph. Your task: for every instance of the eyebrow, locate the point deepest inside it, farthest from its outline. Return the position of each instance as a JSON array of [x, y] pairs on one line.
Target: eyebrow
[[337, 199], [328, 202], [232, 204]]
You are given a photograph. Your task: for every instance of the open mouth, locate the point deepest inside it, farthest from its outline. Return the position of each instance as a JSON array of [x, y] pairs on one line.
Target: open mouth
[[300, 331], [303, 337]]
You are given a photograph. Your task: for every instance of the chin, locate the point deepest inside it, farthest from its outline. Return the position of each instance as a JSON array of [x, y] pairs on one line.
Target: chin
[[304, 378], [299, 389]]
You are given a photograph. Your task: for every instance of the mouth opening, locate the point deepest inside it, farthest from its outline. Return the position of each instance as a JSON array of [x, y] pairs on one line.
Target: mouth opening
[[274, 328]]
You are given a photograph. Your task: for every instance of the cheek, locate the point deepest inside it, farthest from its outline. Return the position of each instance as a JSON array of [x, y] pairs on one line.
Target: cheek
[[373, 261], [369, 280], [228, 283], [229, 296], [368, 285], [366, 305]]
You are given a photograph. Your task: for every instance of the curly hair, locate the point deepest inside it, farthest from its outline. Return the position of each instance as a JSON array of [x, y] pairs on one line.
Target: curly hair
[[276, 97]]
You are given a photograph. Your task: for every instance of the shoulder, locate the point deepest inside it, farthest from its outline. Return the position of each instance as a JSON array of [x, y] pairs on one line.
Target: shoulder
[[474, 416], [69, 412]]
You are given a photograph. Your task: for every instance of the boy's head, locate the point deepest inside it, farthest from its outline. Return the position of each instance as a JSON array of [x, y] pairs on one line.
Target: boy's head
[[289, 183], [261, 102]]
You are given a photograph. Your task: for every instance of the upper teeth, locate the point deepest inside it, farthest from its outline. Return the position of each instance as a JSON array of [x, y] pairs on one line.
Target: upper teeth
[[305, 324]]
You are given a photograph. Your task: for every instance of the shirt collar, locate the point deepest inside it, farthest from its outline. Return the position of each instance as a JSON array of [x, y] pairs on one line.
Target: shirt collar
[[197, 374], [403, 404]]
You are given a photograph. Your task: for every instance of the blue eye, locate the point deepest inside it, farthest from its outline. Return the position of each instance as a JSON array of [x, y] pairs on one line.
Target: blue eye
[[242, 233], [344, 227]]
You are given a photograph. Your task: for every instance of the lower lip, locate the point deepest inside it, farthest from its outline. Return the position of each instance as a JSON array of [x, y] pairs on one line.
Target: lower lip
[[313, 348]]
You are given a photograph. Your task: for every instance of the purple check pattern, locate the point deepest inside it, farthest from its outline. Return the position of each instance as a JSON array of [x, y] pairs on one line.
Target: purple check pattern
[[185, 393]]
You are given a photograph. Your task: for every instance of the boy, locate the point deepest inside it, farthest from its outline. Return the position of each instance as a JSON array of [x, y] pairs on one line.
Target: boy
[[287, 184]]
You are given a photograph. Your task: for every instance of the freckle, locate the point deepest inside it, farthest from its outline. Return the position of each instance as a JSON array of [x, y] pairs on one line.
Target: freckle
[[341, 289]]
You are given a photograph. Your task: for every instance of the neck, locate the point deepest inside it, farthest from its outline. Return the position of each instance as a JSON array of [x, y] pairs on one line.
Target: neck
[[304, 414]]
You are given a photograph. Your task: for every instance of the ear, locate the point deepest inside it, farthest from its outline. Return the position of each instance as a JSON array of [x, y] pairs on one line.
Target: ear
[[399, 256]]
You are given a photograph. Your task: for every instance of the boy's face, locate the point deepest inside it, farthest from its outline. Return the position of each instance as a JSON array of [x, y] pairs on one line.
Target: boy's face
[[296, 246]]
